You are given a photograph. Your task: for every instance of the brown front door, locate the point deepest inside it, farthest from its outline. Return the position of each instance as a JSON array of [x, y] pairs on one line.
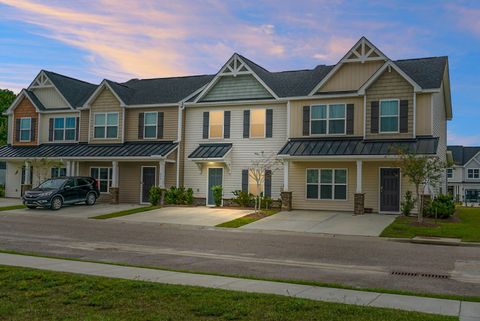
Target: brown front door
[[389, 189]]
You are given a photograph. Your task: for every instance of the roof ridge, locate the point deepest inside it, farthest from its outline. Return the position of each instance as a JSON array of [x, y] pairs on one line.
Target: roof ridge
[[174, 77], [64, 76], [254, 63], [422, 58]]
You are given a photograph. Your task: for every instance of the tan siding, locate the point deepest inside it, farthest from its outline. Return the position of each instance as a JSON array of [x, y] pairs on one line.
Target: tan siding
[[351, 76], [106, 102], [50, 98], [84, 119], [390, 85], [25, 109], [170, 122], [296, 113], [424, 114]]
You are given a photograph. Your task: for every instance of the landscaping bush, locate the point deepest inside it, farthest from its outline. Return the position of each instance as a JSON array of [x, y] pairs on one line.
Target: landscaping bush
[[442, 206], [2, 191], [242, 199], [179, 196], [154, 195], [408, 204], [217, 194], [266, 203]]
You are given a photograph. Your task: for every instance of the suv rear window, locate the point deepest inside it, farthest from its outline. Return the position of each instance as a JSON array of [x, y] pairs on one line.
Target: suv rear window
[[84, 181]]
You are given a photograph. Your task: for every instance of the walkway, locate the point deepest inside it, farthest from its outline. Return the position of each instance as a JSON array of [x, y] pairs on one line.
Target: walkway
[[467, 311]]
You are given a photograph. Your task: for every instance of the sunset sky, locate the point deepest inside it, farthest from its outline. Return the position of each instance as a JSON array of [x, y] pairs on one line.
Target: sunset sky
[[119, 40]]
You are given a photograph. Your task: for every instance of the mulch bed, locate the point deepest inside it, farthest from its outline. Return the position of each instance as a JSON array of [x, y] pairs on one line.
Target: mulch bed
[[257, 216]]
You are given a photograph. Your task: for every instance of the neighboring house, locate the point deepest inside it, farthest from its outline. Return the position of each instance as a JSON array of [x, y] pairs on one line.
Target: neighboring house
[[335, 129], [464, 176]]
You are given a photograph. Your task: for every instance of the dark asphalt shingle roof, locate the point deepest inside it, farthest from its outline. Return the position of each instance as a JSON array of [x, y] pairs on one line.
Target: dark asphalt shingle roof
[[205, 151], [129, 149], [35, 100], [75, 91], [462, 154], [357, 146]]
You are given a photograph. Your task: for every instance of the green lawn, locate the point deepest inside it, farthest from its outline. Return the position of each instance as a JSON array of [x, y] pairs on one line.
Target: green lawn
[[125, 212], [467, 229], [247, 219], [12, 207], [27, 294]]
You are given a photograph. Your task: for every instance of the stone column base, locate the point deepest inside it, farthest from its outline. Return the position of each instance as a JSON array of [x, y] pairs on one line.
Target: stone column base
[[359, 204], [25, 187], [114, 192], [286, 201]]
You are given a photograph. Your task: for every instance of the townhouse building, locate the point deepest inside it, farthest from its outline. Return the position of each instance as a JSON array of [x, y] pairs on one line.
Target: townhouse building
[[464, 176]]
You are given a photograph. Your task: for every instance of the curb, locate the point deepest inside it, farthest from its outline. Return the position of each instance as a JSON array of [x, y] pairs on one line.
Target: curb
[[433, 241]]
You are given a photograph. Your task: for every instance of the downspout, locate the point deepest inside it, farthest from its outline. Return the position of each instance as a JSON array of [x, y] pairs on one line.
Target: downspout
[[181, 106]]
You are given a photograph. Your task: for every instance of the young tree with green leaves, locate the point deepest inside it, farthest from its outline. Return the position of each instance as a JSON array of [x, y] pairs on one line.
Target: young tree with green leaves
[[259, 166], [6, 99]]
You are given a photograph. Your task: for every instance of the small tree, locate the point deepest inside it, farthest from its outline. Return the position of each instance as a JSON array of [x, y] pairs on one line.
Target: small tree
[[259, 165], [42, 167]]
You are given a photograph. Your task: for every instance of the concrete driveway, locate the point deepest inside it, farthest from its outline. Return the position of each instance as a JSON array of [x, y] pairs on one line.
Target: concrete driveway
[[204, 216], [324, 222], [9, 201]]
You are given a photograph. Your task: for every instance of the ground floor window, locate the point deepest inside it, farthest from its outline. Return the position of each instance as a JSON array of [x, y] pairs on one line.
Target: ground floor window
[[327, 184], [472, 195], [104, 177], [59, 172]]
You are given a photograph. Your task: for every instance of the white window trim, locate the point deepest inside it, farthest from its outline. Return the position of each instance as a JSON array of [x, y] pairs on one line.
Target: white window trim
[[264, 124], [449, 172], [327, 119], [156, 124], [380, 116], [65, 129], [58, 169], [29, 130], [473, 173], [109, 177], [105, 125], [333, 184], [210, 124]]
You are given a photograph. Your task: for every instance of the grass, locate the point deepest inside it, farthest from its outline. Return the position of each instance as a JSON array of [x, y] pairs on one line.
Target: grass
[[27, 294], [247, 219], [467, 228], [12, 207], [125, 212]]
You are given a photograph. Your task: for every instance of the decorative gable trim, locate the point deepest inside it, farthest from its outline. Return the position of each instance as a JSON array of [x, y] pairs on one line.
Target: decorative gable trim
[[20, 96], [42, 81], [361, 52], [474, 158], [235, 66], [104, 84]]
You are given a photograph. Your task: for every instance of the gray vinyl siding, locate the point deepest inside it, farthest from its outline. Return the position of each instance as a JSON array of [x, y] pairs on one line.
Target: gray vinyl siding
[[236, 88]]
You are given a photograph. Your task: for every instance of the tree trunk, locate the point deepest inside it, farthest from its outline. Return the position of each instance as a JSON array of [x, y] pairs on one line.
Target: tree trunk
[[420, 206]]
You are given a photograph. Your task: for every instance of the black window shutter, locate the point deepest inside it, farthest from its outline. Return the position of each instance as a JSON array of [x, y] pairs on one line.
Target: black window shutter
[[50, 129], [160, 117], [245, 180], [246, 123], [77, 128], [306, 120], [404, 116], [141, 117], [268, 183], [32, 129], [226, 124], [206, 119], [17, 129], [374, 117], [350, 118], [269, 123]]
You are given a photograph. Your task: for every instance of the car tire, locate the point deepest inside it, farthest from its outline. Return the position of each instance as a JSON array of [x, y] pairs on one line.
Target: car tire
[[56, 203], [32, 207], [90, 199]]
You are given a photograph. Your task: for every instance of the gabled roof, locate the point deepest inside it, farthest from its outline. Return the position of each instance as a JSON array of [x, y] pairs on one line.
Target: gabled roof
[[427, 72], [30, 96], [463, 154]]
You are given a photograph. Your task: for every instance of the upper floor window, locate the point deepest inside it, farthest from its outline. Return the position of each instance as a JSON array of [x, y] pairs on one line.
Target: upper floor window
[[327, 119], [64, 128], [473, 173], [216, 124], [257, 123], [327, 184], [105, 125], [449, 172], [389, 116], [150, 125], [25, 129]]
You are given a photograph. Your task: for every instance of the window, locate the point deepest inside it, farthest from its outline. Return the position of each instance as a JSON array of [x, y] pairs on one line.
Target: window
[[104, 177], [59, 172], [449, 172], [327, 184], [64, 128], [106, 125], [473, 173], [150, 120], [252, 184], [216, 124], [25, 129], [258, 119], [389, 116], [327, 119]]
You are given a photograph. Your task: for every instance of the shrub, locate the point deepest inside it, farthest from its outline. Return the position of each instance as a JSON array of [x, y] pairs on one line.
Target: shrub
[[189, 196], [243, 199], [179, 196], [154, 195], [2, 191], [266, 203], [408, 204], [442, 206], [217, 194]]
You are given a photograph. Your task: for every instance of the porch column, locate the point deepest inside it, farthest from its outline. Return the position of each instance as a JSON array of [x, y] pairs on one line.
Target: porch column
[[285, 195], [114, 188], [73, 168], [161, 173], [359, 198], [27, 183], [68, 167], [285, 175]]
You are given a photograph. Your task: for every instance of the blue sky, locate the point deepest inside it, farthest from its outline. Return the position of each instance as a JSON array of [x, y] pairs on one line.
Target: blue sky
[[119, 40]]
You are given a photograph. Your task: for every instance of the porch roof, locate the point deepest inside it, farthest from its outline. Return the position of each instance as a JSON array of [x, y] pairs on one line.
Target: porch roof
[[351, 146], [82, 150], [210, 151]]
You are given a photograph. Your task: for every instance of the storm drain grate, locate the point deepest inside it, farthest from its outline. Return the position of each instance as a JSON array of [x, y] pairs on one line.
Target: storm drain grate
[[418, 274]]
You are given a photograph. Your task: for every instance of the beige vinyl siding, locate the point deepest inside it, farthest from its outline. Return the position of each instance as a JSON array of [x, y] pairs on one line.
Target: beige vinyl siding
[[296, 113], [424, 114], [170, 122], [106, 102], [439, 130], [13, 178], [351, 76], [50, 98], [45, 124], [84, 123], [390, 85], [235, 88]]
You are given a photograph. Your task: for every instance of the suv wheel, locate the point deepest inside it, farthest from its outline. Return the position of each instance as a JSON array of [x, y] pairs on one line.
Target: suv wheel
[[56, 203], [91, 199]]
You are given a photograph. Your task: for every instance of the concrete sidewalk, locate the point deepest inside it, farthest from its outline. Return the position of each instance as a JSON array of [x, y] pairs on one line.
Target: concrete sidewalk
[[466, 311]]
